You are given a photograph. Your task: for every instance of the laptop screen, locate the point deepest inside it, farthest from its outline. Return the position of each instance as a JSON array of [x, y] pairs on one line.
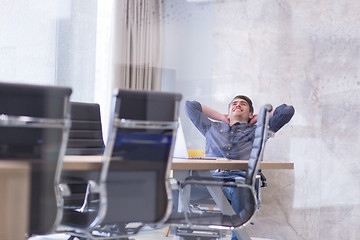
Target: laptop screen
[[180, 149]]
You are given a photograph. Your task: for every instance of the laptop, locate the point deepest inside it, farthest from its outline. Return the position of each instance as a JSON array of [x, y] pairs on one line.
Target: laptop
[[180, 149]]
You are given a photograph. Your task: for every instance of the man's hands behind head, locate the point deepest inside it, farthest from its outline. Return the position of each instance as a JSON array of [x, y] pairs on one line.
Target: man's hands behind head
[[225, 118], [254, 119]]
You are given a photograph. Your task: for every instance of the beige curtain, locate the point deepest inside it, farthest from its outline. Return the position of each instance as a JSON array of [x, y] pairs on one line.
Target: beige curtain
[[137, 40]]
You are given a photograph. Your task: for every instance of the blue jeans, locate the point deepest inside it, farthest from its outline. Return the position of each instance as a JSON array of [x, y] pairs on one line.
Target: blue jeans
[[234, 195]]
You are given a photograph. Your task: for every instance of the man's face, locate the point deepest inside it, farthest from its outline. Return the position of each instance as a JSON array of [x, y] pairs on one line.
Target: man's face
[[239, 108]]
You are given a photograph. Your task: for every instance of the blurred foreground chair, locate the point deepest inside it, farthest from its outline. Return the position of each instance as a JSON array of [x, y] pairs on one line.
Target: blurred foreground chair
[[133, 187], [34, 125], [197, 223]]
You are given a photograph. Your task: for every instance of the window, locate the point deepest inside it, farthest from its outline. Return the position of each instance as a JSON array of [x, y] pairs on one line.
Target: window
[[63, 42]]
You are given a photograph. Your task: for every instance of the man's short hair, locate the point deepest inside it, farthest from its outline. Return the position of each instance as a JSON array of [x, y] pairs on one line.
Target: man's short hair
[[248, 100]]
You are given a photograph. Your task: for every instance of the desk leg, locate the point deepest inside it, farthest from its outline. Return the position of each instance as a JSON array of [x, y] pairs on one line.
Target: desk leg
[[180, 176], [223, 204]]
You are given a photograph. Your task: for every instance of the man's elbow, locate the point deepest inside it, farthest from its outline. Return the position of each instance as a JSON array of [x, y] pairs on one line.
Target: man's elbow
[[287, 113], [289, 110], [192, 105], [187, 104], [282, 116]]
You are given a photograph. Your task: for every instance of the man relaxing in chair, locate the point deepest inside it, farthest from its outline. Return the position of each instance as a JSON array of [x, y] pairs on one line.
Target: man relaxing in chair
[[231, 136]]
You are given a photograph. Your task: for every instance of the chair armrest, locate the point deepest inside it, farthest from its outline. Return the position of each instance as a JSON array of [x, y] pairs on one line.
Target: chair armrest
[[92, 188], [174, 184], [262, 179], [65, 190], [79, 200], [72, 187]]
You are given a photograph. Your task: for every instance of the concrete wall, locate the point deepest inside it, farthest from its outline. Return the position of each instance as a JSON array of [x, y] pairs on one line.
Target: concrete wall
[[304, 53]]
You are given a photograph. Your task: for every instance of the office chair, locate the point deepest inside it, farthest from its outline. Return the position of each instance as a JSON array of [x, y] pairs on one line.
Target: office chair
[[133, 187], [208, 224], [85, 139], [85, 136], [34, 125]]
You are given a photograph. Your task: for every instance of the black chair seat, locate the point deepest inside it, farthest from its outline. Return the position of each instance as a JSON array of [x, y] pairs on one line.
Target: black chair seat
[[77, 219]]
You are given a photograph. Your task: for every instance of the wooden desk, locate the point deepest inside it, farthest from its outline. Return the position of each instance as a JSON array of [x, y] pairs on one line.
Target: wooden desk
[[196, 164], [94, 163], [82, 163], [181, 169], [14, 199]]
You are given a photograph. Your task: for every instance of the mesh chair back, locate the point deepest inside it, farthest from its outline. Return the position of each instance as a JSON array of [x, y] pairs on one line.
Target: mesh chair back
[[257, 152], [34, 126], [86, 130]]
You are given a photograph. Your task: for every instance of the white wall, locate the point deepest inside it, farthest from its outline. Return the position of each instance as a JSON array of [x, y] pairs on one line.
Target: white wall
[[304, 53], [188, 55], [28, 41], [50, 43]]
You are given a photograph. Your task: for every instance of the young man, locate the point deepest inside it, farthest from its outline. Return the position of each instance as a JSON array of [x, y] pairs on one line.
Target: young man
[[231, 136]]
